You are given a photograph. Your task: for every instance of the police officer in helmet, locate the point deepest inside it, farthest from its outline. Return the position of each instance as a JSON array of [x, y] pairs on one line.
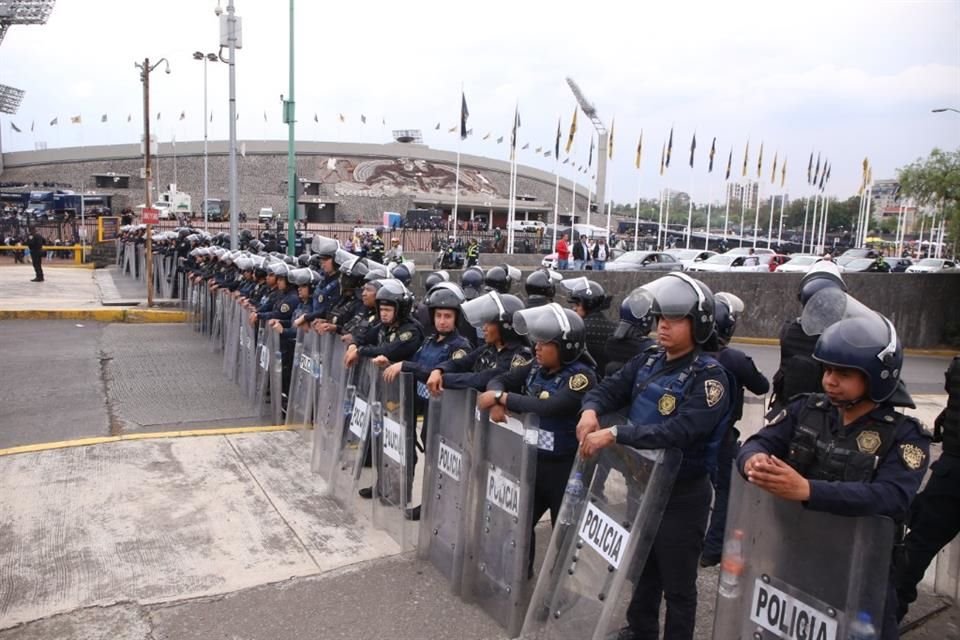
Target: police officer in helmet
[[541, 287], [553, 386], [798, 371], [590, 301], [328, 291], [349, 305], [631, 337], [846, 450], [471, 281], [399, 336], [501, 278], [676, 397]]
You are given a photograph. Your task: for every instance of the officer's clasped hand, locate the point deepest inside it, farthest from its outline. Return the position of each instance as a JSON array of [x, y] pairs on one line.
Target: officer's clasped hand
[[776, 476], [588, 424]]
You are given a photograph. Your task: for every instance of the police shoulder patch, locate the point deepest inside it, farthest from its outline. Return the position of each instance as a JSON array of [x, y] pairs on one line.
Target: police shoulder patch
[[714, 391], [519, 361], [284, 308], [320, 298], [406, 335], [868, 441], [913, 456], [579, 382], [459, 353]]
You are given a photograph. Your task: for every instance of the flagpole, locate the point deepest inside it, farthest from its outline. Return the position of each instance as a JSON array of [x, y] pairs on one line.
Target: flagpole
[[689, 211], [783, 200], [456, 188], [743, 208], [813, 221], [756, 216], [573, 207], [773, 202], [867, 220], [609, 204], [706, 243], [726, 213], [556, 201], [659, 218], [823, 221], [666, 217], [803, 236]]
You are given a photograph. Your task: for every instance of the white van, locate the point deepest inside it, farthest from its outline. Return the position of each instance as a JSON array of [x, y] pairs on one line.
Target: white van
[[265, 215]]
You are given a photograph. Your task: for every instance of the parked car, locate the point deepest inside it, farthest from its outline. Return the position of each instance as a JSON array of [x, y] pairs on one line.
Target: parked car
[[687, 257], [898, 265], [528, 225], [644, 261], [861, 265], [266, 215], [798, 263], [745, 251], [853, 254], [931, 265], [726, 262]]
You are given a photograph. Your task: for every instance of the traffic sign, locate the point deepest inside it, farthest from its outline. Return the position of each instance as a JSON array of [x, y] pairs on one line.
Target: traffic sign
[[151, 215]]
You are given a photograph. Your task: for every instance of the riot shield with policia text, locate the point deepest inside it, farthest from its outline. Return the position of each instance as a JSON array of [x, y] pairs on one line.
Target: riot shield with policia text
[[609, 518], [446, 476], [789, 572], [333, 408], [499, 517], [358, 395]]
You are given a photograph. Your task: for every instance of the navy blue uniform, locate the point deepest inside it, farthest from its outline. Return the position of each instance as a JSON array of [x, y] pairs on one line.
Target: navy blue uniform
[[745, 374], [325, 297], [870, 467], [282, 306], [397, 342], [684, 404], [483, 364], [432, 352]]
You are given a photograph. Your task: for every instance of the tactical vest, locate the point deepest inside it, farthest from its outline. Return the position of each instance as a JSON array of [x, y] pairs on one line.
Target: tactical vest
[[657, 396], [558, 434], [823, 449], [345, 310], [799, 372], [432, 353], [949, 427]]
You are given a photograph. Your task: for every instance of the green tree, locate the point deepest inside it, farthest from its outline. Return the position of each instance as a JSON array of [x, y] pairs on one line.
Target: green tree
[[934, 181]]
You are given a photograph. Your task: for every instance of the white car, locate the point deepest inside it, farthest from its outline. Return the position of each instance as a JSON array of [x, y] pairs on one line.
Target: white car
[[724, 262], [931, 265], [687, 257], [745, 251], [528, 225], [265, 215], [798, 264]]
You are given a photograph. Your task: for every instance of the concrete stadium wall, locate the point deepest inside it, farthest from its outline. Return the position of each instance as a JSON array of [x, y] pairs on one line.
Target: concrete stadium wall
[[919, 305]]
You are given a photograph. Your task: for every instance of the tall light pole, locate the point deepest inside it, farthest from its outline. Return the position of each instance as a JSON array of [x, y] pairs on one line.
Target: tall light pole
[[942, 109], [145, 69], [290, 119], [211, 57], [591, 112], [230, 31]]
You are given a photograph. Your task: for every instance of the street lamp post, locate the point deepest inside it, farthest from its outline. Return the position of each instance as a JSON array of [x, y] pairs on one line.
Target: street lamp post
[[211, 57], [942, 109], [145, 69]]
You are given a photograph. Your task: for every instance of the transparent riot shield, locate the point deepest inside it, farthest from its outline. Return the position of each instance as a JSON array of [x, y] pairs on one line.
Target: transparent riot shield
[[216, 328], [334, 408], [248, 355], [500, 511], [393, 424], [357, 397], [231, 341], [798, 573], [277, 395], [446, 476], [264, 358], [303, 377], [601, 542]]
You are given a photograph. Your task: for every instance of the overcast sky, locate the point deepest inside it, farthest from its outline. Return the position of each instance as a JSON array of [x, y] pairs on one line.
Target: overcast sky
[[846, 79]]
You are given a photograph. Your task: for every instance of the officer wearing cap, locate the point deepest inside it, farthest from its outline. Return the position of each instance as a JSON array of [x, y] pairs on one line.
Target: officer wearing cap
[[590, 302], [798, 371], [676, 397], [745, 375], [503, 348], [935, 515], [328, 291], [847, 450], [553, 388], [541, 287], [630, 338], [399, 335]]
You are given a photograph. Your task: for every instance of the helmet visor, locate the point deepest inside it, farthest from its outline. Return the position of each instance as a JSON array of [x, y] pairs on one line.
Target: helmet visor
[[542, 324], [482, 309], [829, 306]]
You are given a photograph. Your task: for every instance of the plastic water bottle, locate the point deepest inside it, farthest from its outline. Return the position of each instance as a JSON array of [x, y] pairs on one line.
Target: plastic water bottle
[[572, 497], [862, 628], [731, 566], [348, 398]]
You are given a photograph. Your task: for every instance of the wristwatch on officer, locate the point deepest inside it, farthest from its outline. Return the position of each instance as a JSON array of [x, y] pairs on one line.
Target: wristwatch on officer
[[614, 430], [497, 395]]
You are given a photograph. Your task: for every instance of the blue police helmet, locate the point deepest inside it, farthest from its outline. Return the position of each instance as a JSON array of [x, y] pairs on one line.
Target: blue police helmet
[[472, 282], [868, 343], [825, 274], [629, 320], [727, 310]]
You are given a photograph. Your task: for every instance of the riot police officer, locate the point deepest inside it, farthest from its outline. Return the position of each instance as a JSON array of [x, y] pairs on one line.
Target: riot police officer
[[541, 287], [304, 280], [552, 387], [798, 371], [676, 397], [744, 374], [590, 301], [631, 337], [350, 305], [501, 278], [328, 291], [280, 306], [399, 335], [846, 451], [935, 515], [503, 348], [471, 281]]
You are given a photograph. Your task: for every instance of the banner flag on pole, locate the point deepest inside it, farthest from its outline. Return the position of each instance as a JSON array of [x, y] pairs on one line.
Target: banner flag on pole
[[693, 148], [211, 116], [315, 118], [264, 115], [810, 169], [130, 117], [773, 172], [713, 151], [639, 149], [500, 139], [538, 150], [53, 122], [513, 133], [526, 145], [669, 149], [486, 136], [783, 173], [816, 172], [556, 150], [613, 123], [452, 129], [464, 114], [760, 161], [158, 116], [863, 181], [183, 115], [363, 119], [829, 167], [32, 123], [746, 159], [342, 119], [590, 157], [663, 156], [573, 131], [75, 120], [729, 164], [103, 118], [437, 128], [15, 127], [823, 175]]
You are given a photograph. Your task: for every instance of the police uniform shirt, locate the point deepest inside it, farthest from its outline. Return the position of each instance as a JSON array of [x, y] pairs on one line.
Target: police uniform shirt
[[743, 369], [433, 351], [346, 309], [289, 332], [268, 300], [480, 366], [283, 306], [397, 342], [620, 350], [363, 323], [896, 476], [555, 397], [326, 296], [686, 422]]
